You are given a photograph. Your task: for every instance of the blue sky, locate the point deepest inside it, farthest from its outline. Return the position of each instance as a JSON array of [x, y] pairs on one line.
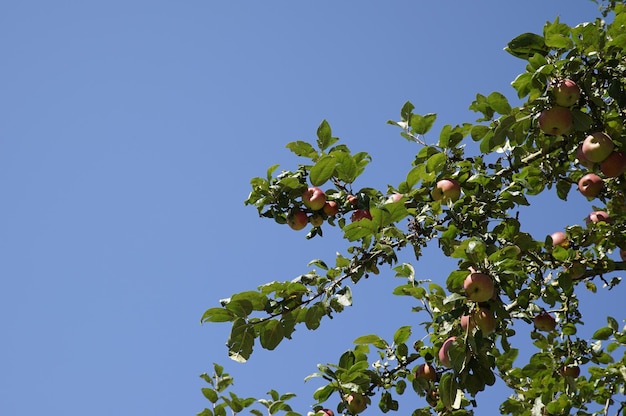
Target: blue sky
[[130, 132]]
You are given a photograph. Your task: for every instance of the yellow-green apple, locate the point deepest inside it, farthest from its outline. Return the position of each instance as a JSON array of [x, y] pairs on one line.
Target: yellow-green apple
[[556, 121], [297, 219], [582, 159], [478, 287], [316, 219], [570, 371], [597, 147], [446, 190], [485, 321], [467, 323], [559, 238], [356, 403], [590, 185], [331, 208], [565, 92], [598, 216], [359, 214], [614, 165], [325, 412], [544, 322], [426, 371], [444, 352], [314, 198]]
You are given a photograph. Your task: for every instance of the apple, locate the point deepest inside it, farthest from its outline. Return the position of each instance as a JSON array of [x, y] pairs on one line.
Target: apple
[[590, 185], [352, 200], [467, 323], [356, 403], [314, 198], [394, 198], [316, 220], [559, 238], [485, 321], [331, 208], [325, 412], [426, 371], [598, 216], [597, 147], [582, 159], [544, 322], [614, 165], [556, 121], [565, 93], [297, 219], [432, 397], [570, 371], [444, 356], [446, 190], [478, 287], [622, 254], [359, 214]]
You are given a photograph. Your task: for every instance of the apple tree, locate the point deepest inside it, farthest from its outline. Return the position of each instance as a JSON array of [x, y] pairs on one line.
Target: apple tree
[[567, 135]]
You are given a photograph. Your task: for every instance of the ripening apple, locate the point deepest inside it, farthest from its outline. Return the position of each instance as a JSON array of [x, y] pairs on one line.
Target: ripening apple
[[426, 371], [597, 147], [356, 403], [590, 185], [394, 198], [331, 208], [556, 121], [544, 322], [565, 93], [352, 200], [316, 220], [446, 190], [297, 220], [570, 371], [614, 165], [314, 198], [559, 238], [359, 214], [467, 323], [478, 287], [582, 159], [444, 352], [485, 321], [325, 412], [598, 216]]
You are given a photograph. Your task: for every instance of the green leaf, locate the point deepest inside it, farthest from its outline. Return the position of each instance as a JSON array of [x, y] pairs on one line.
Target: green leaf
[[603, 333], [406, 111], [302, 148], [402, 334], [314, 316], [436, 162], [271, 334], [323, 170], [499, 103], [324, 136], [526, 45], [210, 394], [479, 131], [240, 307], [217, 315], [346, 167], [241, 341], [422, 124]]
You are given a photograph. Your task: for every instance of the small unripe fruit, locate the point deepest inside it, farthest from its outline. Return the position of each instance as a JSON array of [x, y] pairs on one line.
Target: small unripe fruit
[[544, 322], [426, 371], [316, 220]]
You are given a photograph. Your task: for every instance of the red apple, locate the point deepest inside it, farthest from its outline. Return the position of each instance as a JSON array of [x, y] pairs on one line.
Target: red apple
[[352, 200], [544, 322], [316, 220], [614, 165], [570, 371], [559, 238], [314, 198], [565, 93], [582, 159], [356, 403], [331, 208], [426, 371], [467, 323], [556, 121], [359, 214], [597, 147], [446, 190], [485, 321], [297, 220], [590, 185], [478, 287], [325, 412], [598, 216], [444, 356]]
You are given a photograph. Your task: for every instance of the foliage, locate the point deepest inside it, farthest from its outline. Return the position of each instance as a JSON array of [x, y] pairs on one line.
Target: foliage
[[480, 230]]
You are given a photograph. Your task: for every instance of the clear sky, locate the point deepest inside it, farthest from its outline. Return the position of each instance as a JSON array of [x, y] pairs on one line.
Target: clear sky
[[129, 133]]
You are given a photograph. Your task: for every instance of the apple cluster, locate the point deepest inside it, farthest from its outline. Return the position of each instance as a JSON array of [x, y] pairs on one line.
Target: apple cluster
[[558, 119], [318, 204]]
